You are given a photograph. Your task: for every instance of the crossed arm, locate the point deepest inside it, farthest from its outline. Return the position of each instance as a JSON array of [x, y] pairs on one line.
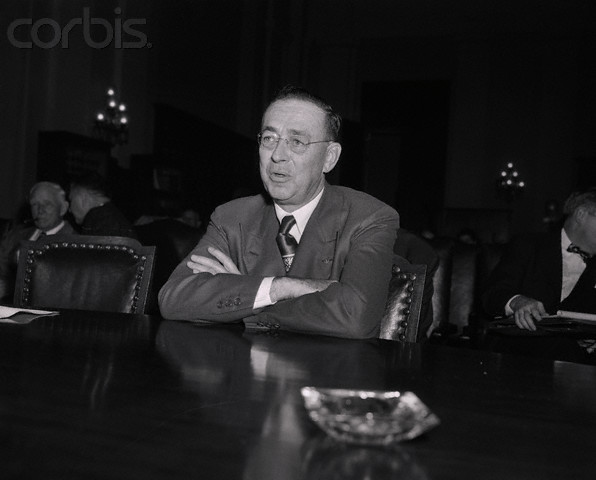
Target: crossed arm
[[282, 288]]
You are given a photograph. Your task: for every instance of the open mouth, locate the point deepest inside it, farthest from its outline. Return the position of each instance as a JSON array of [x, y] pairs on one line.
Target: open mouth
[[278, 176]]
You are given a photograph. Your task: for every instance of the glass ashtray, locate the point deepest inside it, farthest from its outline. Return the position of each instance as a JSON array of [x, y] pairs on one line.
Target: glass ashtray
[[368, 417]]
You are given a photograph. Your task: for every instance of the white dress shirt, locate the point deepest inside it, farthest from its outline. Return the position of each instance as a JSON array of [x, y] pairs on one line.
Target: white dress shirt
[[36, 234], [302, 216]]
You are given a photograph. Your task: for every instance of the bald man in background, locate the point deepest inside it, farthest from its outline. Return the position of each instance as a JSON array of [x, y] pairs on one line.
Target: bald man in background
[[48, 205]]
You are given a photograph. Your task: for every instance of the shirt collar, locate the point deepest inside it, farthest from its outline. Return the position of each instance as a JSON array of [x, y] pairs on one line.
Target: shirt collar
[[565, 242], [52, 231], [302, 215]]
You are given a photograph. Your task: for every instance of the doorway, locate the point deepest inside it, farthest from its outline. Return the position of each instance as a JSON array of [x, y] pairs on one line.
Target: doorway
[[406, 134]]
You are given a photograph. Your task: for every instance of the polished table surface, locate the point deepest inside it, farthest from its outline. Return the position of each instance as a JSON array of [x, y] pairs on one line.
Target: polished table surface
[[114, 396]]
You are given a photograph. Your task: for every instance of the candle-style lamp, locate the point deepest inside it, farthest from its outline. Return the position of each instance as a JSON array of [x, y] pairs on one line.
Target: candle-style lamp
[[111, 124], [509, 184]]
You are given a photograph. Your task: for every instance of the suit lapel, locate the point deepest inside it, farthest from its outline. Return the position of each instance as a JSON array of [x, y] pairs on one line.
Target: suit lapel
[[260, 253], [316, 251]]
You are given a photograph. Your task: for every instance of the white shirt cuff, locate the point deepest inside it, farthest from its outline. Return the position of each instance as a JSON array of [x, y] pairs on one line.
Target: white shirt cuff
[[263, 299], [508, 310]]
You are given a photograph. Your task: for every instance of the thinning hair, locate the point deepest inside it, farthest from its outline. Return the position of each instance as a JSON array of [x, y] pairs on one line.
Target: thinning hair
[[54, 187], [332, 118], [583, 198]]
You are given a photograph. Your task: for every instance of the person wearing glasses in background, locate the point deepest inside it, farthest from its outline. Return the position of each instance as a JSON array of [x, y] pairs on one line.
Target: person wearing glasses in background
[[542, 273], [306, 256], [48, 207]]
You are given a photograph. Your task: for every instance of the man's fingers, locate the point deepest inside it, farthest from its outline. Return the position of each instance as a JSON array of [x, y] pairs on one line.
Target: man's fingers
[[200, 264], [228, 264], [220, 264], [524, 319]]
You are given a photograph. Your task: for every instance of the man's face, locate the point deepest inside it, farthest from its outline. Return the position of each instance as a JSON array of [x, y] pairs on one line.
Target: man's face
[[293, 179], [47, 208], [588, 230], [77, 204]]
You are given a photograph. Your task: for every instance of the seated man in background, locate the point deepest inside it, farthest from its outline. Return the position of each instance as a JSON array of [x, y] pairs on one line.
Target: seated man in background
[[48, 207], [324, 270], [543, 273], [93, 210]]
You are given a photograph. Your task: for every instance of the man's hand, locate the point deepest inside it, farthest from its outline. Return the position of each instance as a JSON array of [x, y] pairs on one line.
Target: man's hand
[[288, 287], [526, 311], [221, 264]]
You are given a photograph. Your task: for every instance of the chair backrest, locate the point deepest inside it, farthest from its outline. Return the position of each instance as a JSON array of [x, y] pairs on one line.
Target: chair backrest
[[464, 283], [173, 240], [402, 311], [5, 225], [86, 273], [442, 281]]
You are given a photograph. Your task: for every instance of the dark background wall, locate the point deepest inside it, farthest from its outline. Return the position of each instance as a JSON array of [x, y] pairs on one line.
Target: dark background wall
[[439, 96]]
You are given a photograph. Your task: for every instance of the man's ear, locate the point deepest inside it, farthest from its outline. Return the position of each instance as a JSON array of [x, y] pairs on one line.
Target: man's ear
[[64, 208], [580, 214], [331, 156]]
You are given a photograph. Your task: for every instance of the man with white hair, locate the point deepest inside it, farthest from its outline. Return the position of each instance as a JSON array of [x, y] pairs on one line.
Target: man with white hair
[[48, 206]]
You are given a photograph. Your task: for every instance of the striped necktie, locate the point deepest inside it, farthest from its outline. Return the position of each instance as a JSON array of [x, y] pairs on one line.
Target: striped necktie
[[287, 243]]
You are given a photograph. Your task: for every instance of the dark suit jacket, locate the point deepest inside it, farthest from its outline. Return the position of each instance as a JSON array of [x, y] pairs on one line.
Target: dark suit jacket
[[107, 220], [8, 254], [532, 266], [349, 238]]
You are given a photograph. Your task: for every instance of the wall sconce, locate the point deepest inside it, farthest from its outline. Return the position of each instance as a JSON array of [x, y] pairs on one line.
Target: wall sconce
[[111, 124], [509, 184]]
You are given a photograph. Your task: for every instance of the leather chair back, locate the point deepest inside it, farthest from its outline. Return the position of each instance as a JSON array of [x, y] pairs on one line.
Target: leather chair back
[[86, 273], [401, 318], [5, 225], [173, 240], [442, 282], [490, 255], [463, 283]]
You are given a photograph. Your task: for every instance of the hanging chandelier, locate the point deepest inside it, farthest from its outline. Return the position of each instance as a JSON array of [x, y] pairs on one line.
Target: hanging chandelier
[[111, 124], [509, 184]]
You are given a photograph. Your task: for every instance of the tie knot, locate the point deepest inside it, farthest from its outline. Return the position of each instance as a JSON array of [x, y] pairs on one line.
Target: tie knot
[[575, 249], [286, 224]]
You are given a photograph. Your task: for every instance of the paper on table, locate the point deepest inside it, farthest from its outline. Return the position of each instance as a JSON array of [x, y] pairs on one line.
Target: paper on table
[[22, 315], [578, 316]]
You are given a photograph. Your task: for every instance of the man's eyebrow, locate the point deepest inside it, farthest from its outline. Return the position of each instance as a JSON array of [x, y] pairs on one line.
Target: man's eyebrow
[[269, 129], [298, 132]]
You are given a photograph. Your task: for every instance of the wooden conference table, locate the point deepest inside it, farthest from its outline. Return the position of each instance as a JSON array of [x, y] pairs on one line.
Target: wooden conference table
[[110, 396]]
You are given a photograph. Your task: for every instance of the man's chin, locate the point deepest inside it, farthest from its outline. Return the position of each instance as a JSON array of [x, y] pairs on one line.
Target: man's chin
[[281, 190]]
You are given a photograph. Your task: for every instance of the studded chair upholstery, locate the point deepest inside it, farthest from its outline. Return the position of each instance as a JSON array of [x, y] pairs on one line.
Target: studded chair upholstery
[[86, 273], [173, 241], [401, 318]]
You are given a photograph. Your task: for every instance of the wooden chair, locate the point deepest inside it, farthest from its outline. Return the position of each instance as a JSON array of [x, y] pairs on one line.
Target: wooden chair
[[401, 318], [85, 272]]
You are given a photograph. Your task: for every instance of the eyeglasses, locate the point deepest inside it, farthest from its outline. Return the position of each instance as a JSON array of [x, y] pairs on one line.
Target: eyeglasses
[[296, 144]]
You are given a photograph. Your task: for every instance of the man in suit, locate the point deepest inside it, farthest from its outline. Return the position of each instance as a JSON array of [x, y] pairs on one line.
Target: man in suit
[[48, 207], [542, 273], [305, 256], [93, 209]]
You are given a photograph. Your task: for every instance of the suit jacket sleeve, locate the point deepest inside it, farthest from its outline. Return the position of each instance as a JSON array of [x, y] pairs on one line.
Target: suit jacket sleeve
[[530, 266], [207, 297]]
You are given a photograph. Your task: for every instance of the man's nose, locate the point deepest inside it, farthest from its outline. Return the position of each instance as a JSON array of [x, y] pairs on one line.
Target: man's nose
[[280, 152]]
